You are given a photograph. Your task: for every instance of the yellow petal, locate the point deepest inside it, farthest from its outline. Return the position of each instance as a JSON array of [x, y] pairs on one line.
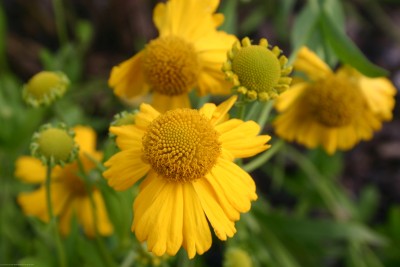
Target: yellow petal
[[287, 98], [125, 169], [127, 79], [220, 113], [85, 215], [309, 63], [128, 136], [146, 116], [158, 216], [85, 137], [104, 225], [65, 218], [240, 138], [223, 226], [196, 232], [190, 19], [34, 203], [30, 170], [164, 103]]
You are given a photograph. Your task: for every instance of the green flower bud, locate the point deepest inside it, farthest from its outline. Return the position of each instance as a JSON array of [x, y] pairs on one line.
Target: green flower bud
[[236, 257]]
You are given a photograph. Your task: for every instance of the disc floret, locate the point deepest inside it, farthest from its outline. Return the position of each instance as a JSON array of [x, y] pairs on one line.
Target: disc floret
[[256, 71]]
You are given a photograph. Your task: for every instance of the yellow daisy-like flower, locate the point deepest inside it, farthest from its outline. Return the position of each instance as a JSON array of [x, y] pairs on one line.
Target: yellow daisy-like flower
[[187, 155], [332, 109], [69, 193], [256, 71], [188, 53]]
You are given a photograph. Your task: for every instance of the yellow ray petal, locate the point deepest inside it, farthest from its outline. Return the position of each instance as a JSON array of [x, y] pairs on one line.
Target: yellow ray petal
[[159, 220], [30, 170], [220, 114], [85, 215], [146, 116], [309, 63], [164, 103], [128, 136], [287, 98], [104, 225], [223, 226], [196, 232], [85, 137], [127, 79], [64, 224], [34, 203], [125, 169]]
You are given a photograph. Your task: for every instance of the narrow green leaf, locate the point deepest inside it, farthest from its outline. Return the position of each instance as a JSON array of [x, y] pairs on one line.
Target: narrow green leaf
[[229, 9], [346, 50], [304, 26]]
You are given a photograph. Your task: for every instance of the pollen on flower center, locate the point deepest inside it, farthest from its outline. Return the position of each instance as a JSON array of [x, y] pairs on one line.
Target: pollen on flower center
[[171, 65], [258, 68], [333, 102], [181, 145]]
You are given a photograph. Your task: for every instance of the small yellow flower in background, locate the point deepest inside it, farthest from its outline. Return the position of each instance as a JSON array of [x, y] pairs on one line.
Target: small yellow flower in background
[[187, 157], [332, 109], [44, 87], [69, 194], [188, 53], [256, 71], [236, 257]]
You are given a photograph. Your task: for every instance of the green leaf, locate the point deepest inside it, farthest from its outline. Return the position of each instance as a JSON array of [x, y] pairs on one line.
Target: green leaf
[[304, 26], [229, 9], [346, 50]]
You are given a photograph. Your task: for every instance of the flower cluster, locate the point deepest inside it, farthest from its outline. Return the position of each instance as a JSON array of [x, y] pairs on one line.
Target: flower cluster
[[186, 163]]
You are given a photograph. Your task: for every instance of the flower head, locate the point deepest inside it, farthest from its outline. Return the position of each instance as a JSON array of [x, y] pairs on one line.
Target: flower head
[[332, 109], [54, 144], [44, 87], [188, 53], [187, 157], [70, 194], [256, 71]]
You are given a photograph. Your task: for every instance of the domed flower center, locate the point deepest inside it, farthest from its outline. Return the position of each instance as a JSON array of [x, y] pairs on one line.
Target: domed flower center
[[72, 182], [181, 145], [42, 83], [257, 68], [171, 65], [55, 143], [334, 102]]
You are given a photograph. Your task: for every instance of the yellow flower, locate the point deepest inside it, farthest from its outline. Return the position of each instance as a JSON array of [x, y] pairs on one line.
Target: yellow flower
[[332, 109], [187, 155], [188, 53], [69, 193], [257, 71]]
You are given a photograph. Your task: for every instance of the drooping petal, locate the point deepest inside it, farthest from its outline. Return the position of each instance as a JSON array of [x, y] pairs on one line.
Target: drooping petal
[[34, 203], [196, 232], [85, 137], [191, 19], [287, 98], [30, 170], [104, 225], [247, 132], [223, 226], [128, 136], [127, 79], [165, 102], [125, 169], [310, 64], [158, 216]]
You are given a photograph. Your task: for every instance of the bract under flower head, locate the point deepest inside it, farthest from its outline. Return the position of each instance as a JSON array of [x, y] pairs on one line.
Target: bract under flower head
[[257, 71], [44, 87], [54, 145]]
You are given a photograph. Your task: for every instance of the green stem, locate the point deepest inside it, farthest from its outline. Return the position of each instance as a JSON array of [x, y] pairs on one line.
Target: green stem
[[52, 218], [261, 159], [241, 107], [60, 22], [265, 112], [338, 208], [99, 243]]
